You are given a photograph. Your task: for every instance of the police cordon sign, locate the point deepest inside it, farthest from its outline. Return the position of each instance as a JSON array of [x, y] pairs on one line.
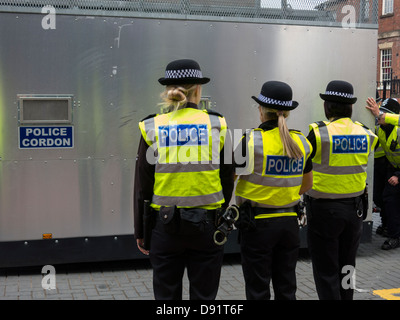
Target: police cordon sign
[[46, 137]]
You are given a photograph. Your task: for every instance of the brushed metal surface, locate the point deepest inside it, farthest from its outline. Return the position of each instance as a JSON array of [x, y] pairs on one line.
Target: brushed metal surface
[[111, 65]]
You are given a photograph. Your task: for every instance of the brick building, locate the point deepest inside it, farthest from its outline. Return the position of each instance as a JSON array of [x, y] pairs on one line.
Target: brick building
[[388, 64]]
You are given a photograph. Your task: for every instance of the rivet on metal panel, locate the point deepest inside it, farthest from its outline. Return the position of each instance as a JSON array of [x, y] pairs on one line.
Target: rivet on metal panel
[[86, 239], [115, 238], [26, 243]]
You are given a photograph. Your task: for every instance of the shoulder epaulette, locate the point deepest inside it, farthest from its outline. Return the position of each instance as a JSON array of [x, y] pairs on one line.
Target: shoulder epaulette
[[320, 123], [294, 130], [213, 112], [361, 124], [149, 116]]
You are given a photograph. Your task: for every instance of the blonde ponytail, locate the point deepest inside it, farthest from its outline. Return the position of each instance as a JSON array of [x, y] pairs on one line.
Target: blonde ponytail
[[290, 147], [176, 97]]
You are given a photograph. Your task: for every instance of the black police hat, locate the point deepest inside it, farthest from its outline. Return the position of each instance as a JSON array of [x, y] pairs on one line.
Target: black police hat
[[276, 95], [339, 91], [183, 71], [390, 105]]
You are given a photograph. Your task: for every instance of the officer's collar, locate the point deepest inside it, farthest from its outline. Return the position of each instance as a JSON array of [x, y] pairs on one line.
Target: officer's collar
[[337, 118], [269, 125], [191, 105]]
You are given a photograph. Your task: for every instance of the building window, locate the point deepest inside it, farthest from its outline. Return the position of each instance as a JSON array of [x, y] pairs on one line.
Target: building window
[[386, 64], [387, 7]]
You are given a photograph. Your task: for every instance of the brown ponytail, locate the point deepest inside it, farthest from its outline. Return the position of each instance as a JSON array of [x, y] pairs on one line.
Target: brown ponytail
[[290, 147]]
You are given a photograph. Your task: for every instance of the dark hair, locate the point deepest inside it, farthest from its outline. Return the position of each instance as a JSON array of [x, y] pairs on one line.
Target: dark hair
[[337, 110]]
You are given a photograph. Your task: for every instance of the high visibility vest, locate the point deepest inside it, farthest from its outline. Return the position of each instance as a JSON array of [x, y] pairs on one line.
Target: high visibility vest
[[391, 145], [341, 158], [379, 152], [393, 119], [185, 146], [273, 179]]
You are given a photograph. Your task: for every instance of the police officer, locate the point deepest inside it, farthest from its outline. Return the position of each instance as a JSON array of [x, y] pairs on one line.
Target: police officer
[[268, 190], [340, 158], [177, 169], [389, 138], [380, 164]]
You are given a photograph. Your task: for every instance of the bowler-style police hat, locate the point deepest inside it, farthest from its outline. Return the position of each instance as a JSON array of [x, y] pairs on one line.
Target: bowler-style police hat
[[183, 71], [339, 91], [276, 95]]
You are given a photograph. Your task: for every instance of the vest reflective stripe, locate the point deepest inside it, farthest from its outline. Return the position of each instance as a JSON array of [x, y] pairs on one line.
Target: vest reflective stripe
[[341, 174], [276, 187], [187, 144], [393, 156], [189, 167]]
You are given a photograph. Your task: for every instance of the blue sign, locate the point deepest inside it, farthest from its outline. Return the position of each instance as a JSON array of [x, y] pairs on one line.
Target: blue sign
[[183, 135], [350, 144], [46, 137], [284, 166]]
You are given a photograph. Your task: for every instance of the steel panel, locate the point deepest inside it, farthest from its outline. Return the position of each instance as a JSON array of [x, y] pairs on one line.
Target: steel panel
[[111, 65]]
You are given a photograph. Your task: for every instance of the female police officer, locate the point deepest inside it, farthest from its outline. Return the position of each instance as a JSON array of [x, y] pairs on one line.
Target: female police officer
[[178, 169], [340, 159], [269, 189]]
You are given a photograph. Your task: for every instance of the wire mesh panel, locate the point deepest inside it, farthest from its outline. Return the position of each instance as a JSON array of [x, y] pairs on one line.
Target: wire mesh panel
[[358, 13]]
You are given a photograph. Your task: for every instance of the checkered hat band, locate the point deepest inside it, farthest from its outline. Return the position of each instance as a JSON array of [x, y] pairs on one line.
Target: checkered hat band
[[184, 73], [273, 101], [339, 94]]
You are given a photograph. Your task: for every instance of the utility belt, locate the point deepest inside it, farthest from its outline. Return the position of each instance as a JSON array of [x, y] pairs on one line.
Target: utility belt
[[247, 215], [360, 203], [185, 221]]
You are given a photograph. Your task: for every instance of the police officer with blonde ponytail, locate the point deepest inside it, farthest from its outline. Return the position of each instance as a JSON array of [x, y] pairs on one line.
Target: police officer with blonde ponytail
[[180, 170], [278, 170], [340, 159]]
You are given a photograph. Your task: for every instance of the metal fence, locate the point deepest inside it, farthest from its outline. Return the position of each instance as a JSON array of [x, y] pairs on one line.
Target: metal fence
[[388, 89], [353, 13]]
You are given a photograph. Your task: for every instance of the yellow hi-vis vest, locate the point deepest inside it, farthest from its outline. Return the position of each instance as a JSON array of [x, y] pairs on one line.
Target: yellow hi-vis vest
[[390, 118], [391, 145], [341, 158], [185, 146], [393, 119], [273, 180]]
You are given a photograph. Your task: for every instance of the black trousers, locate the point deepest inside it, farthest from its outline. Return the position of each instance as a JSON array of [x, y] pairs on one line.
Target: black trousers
[[270, 252], [380, 180], [334, 233], [391, 200], [170, 254]]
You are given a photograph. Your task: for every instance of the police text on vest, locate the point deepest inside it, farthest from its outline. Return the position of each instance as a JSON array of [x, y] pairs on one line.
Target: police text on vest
[[183, 135], [349, 144], [283, 165]]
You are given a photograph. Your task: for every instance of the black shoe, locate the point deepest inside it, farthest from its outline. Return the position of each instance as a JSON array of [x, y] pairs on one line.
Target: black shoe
[[391, 243]]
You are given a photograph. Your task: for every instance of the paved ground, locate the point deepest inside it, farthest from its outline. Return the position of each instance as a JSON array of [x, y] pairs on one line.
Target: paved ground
[[132, 280]]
